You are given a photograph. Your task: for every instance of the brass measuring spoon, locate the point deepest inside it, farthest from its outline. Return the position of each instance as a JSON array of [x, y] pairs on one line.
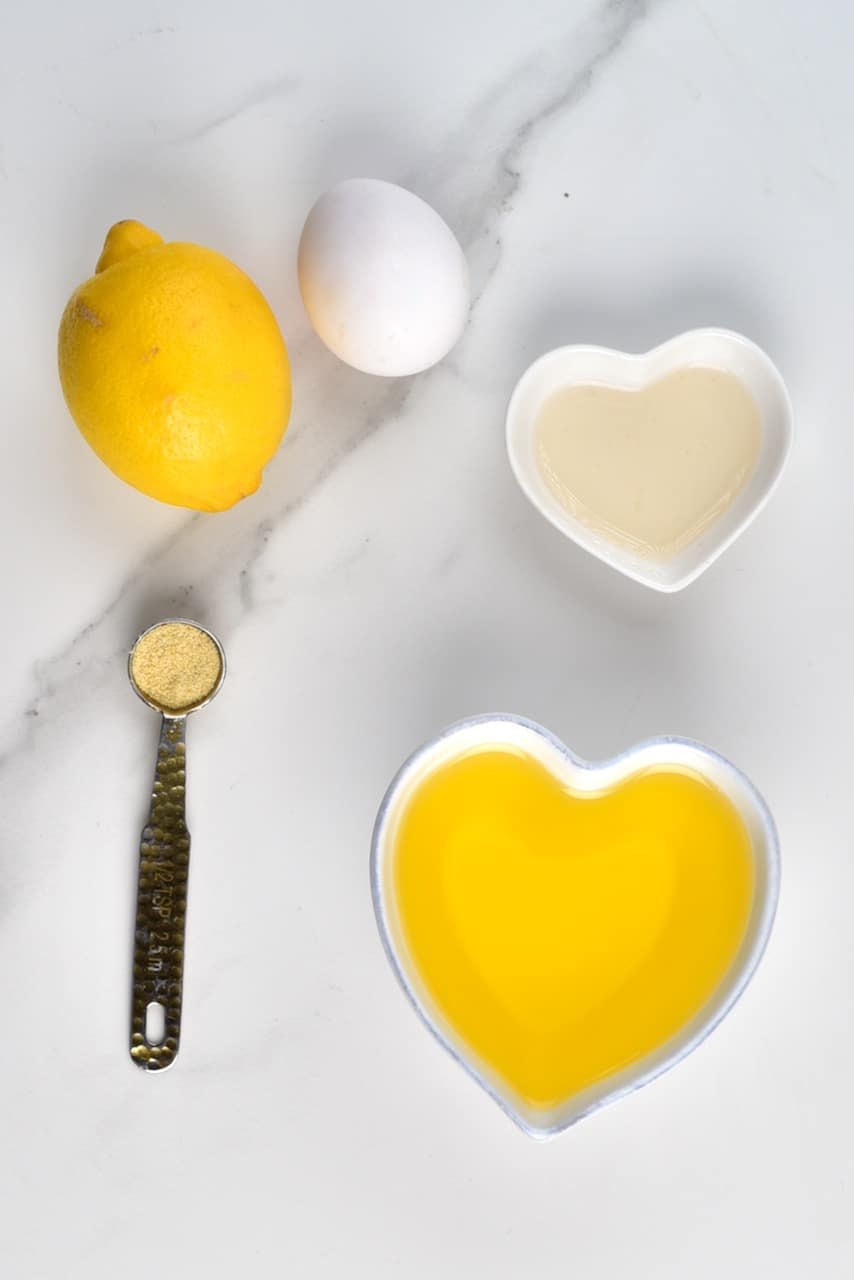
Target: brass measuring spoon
[[176, 667]]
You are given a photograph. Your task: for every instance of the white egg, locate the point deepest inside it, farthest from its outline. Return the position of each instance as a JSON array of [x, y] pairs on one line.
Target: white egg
[[383, 278]]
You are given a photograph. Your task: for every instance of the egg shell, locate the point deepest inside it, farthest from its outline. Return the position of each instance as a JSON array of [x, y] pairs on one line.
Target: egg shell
[[383, 278]]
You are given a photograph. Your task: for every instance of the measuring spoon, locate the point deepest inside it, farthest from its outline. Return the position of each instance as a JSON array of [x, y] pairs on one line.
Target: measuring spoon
[[176, 667]]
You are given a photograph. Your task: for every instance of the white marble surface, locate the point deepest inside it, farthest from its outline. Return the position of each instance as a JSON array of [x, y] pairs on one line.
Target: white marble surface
[[616, 173]]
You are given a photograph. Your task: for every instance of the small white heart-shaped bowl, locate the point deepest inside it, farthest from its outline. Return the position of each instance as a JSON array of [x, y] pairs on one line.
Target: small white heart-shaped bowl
[[534, 740], [583, 365]]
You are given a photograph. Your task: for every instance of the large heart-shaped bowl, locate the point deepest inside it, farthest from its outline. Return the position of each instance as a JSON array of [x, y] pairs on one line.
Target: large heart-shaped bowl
[[584, 365], [579, 776]]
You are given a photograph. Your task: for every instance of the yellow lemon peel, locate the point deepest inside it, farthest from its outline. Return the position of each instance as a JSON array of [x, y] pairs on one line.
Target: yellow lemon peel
[[124, 239], [174, 369]]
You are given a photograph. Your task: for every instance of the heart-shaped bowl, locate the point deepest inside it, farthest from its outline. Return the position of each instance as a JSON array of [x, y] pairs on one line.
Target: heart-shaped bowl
[[586, 365], [531, 739]]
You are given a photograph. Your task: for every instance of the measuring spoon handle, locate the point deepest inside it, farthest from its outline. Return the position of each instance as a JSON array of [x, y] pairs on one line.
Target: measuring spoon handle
[[161, 908]]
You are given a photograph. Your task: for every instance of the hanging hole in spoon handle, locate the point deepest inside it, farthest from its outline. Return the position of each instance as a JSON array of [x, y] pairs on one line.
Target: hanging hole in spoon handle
[[176, 667]]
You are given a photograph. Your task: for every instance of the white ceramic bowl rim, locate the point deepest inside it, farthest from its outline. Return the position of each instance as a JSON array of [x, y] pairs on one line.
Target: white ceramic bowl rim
[[767, 859], [584, 364]]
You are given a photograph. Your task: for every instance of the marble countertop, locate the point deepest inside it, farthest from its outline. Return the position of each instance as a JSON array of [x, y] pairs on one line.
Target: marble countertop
[[616, 172]]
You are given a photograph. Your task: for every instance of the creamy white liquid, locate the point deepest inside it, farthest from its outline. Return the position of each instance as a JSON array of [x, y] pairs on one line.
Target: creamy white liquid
[[650, 469]]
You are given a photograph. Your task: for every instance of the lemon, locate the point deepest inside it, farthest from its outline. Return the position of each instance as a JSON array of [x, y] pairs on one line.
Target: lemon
[[174, 370]]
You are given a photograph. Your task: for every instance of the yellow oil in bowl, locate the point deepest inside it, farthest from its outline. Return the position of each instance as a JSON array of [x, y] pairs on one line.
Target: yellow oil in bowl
[[560, 935]]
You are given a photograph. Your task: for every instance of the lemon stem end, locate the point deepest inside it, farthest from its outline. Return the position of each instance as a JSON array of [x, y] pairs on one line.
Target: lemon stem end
[[124, 239]]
